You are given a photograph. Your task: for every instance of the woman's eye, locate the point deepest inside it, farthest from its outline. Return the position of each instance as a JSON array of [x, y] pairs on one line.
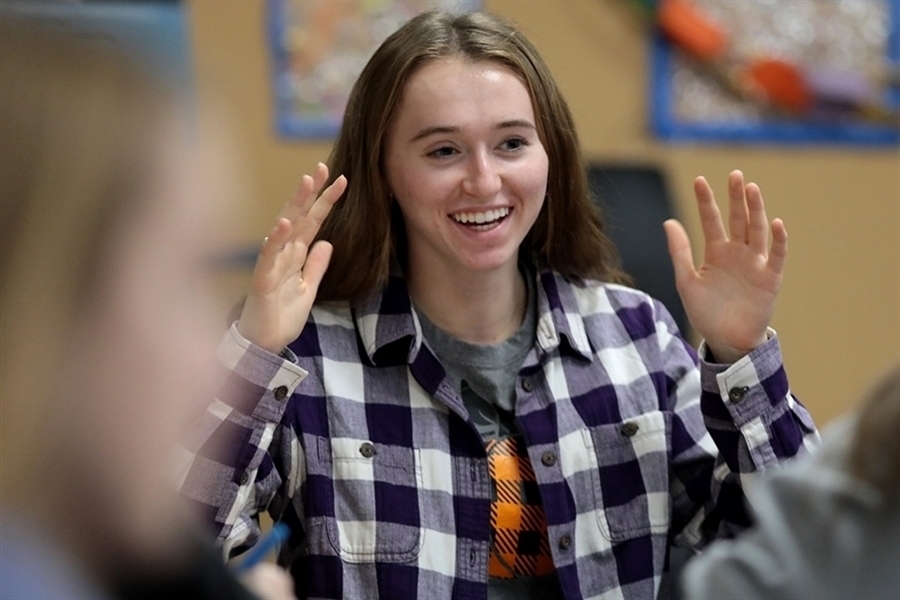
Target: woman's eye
[[443, 152], [513, 144]]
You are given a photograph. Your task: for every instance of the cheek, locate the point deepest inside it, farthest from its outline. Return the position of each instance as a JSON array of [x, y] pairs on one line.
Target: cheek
[[418, 187], [414, 189], [540, 174], [533, 187], [422, 201]]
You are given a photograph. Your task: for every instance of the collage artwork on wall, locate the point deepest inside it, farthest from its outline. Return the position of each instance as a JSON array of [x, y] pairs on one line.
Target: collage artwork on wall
[[847, 55], [847, 52], [318, 49]]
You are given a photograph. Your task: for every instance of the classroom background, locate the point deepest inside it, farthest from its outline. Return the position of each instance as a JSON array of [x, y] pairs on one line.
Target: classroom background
[[838, 315]]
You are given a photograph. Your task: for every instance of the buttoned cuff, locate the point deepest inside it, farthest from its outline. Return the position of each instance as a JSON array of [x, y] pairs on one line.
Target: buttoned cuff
[[273, 376], [750, 386]]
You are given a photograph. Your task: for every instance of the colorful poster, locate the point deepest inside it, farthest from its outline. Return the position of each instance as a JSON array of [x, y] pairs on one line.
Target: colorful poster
[[847, 51], [319, 47]]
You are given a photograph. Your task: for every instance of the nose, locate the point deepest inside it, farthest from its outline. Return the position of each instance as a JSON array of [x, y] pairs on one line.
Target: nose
[[482, 178]]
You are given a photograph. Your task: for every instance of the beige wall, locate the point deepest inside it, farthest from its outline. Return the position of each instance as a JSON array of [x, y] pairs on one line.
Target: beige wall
[[839, 312]]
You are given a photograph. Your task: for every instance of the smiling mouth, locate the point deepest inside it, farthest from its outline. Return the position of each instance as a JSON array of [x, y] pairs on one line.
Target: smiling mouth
[[481, 221]]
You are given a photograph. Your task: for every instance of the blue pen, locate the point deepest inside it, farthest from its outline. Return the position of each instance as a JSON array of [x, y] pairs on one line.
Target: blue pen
[[276, 536]]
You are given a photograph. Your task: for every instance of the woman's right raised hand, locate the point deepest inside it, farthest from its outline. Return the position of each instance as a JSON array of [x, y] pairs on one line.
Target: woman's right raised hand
[[288, 271]]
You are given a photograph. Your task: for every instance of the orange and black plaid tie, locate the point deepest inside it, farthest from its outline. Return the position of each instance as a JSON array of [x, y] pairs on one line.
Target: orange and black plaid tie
[[519, 546]]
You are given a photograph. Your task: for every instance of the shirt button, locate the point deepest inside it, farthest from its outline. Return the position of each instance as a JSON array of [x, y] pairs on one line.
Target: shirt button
[[244, 479], [565, 542], [527, 385], [281, 392], [548, 459], [367, 450], [629, 429], [737, 394]]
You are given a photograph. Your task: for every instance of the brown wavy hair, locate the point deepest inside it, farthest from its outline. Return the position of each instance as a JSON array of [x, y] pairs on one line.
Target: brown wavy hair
[[366, 227]]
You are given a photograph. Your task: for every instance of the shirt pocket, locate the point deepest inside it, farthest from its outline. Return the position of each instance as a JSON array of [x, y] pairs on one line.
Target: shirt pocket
[[375, 516], [630, 475]]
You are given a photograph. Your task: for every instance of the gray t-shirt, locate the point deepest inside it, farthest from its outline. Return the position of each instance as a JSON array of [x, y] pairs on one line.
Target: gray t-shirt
[[485, 377]]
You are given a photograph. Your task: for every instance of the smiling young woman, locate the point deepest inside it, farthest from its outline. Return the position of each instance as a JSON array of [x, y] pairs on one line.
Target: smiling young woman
[[467, 402]]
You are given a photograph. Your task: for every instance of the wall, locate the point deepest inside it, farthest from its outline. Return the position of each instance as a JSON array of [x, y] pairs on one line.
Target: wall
[[838, 315]]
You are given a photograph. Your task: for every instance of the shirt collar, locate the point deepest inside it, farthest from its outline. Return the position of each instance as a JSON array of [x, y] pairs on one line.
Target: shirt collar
[[559, 316], [388, 317]]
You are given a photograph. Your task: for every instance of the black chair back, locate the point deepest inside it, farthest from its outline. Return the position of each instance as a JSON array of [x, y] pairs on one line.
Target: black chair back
[[635, 201]]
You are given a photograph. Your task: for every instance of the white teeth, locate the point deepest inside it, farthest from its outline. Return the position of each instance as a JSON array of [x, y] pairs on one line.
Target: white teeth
[[481, 217]]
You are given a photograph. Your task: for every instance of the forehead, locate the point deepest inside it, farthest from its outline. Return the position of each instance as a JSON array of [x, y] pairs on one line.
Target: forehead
[[460, 89]]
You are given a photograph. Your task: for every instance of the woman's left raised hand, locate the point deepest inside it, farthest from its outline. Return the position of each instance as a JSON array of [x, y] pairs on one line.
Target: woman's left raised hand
[[730, 298]]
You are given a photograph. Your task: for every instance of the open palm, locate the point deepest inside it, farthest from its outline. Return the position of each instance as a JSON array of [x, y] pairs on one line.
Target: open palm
[[288, 270], [730, 297]]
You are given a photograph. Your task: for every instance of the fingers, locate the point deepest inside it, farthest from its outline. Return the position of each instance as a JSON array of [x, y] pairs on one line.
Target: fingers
[[307, 227], [710, 219], [320, 176], [679, 251], [306, 194], [778, 253], [269, 582], [298, 204], [307, 209], [747, 220], [757, 223], [316, 264], [298, 234], [737, 207], [273, 244]]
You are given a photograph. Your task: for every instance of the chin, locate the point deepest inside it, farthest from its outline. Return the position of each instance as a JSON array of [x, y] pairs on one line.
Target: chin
[[492, 262]]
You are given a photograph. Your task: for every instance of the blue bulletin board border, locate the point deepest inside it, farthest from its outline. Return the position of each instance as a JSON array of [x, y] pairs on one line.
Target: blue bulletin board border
[[782, 131]]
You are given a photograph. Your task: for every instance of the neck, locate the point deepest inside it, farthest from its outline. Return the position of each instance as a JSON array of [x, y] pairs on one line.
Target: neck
[[478, 308]]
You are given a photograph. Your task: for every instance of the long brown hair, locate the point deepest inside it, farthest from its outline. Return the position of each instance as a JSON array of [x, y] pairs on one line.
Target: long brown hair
[[366, 227]]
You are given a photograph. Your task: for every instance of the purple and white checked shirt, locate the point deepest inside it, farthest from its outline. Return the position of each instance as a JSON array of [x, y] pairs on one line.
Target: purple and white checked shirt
[[367, 452]]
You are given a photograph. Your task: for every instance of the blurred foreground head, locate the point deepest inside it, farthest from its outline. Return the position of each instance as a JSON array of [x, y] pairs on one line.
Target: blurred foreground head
[[110, 208], [875, 457]]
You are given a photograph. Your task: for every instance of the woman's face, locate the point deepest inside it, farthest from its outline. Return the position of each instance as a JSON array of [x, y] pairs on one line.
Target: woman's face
[[145, 364], [467, 167]]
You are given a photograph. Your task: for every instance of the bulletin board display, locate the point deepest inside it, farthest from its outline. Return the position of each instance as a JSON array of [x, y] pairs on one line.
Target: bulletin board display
[[850, 47], [318, 49]]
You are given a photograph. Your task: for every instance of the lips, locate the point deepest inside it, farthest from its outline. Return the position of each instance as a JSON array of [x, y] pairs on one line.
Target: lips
[[483, 218]]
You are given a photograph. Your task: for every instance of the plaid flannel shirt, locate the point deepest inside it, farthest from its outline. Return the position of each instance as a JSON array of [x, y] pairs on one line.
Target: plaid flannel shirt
[[358, 441]]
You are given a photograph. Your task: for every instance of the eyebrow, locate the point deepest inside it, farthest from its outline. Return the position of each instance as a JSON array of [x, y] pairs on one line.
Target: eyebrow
[[448, 129]]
